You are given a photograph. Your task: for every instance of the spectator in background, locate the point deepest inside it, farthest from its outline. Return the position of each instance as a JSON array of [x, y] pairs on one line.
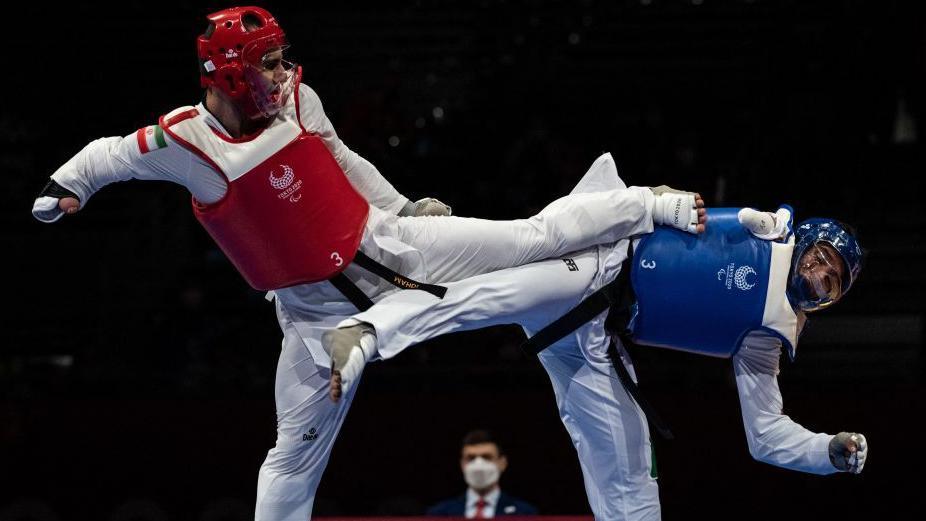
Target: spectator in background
[[483, 462]]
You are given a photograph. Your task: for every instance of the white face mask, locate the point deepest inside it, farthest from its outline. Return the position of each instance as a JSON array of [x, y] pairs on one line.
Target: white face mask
[[480, 473]]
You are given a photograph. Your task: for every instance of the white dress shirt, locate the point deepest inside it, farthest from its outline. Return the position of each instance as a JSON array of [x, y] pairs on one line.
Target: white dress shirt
[[491, 500]]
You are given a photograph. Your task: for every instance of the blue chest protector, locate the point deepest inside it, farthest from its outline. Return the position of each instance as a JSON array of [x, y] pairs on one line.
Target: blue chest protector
[[704, 293]]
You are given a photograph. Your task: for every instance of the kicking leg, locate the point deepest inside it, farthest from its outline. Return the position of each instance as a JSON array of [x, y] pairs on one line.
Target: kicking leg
[[454, 248], [525, 295]]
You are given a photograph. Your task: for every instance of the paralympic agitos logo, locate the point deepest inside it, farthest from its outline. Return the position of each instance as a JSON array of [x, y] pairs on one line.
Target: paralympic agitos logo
[[744, 277], [286, 184]]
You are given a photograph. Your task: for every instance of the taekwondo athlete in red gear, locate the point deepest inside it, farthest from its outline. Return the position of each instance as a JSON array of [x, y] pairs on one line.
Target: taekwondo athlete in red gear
[[608, 428], [258, 125]]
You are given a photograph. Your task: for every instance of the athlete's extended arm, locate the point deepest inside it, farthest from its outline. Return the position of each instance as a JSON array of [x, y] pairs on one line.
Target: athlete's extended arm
[[775, 438], [146, 154]]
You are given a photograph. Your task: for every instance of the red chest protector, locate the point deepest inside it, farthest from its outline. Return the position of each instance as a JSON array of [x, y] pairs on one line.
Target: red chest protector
[[293, 218]]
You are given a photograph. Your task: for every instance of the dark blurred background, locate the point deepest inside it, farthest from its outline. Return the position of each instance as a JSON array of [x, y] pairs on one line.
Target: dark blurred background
[[137, 367]]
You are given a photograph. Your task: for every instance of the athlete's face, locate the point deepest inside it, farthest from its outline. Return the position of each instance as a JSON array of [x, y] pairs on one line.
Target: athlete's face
[[269, 75], [821, 269], [273, 68], [271, 81]]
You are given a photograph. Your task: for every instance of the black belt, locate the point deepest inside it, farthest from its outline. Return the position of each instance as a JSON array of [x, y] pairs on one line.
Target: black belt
[[359, 299], [609, 296], [617, 297]]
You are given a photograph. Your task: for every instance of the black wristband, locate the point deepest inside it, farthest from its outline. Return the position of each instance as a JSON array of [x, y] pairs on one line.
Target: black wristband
[[53, 189]]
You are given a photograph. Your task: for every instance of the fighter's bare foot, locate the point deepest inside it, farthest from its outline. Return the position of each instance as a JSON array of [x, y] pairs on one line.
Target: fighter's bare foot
[[702, 216], [350, 347], [334, 387]]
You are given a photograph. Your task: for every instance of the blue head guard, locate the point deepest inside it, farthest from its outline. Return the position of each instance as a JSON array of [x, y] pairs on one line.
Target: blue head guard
[[834, 233]]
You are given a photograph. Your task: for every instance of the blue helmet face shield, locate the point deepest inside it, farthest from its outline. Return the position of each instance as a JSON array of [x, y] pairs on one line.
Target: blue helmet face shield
[[827, 259]]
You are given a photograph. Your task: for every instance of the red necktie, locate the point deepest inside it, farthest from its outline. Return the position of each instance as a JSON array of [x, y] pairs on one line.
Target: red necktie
[[480, 504]]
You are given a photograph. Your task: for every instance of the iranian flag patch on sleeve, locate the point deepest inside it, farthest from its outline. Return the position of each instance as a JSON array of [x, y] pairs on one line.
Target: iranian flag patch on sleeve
[[150, 138]]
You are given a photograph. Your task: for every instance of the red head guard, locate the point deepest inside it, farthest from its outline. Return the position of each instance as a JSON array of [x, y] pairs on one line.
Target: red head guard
[[228, 49]]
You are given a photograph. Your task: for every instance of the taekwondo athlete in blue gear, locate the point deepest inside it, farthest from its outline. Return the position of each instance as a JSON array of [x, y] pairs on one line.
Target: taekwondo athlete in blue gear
[[752, 280], [607, 427]]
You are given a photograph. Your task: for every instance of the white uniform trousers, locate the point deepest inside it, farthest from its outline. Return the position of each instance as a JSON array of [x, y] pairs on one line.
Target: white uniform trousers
[[428, 249]]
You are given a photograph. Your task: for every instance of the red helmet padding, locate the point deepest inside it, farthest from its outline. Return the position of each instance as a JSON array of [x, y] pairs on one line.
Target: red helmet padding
[[230, 48]]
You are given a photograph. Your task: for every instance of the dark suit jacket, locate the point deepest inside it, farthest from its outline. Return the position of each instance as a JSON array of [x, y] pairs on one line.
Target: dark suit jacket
[[507, 506]]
